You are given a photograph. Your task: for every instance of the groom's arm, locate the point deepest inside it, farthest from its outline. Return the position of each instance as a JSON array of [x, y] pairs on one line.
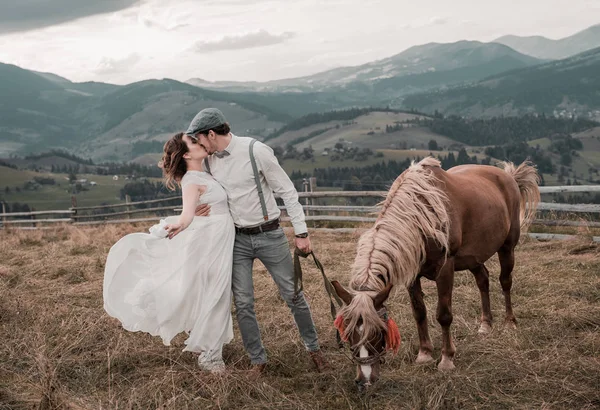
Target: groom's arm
[[203, 210]]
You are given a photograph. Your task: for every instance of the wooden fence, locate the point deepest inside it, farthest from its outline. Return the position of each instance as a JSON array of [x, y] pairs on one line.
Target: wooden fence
[[549, 214]]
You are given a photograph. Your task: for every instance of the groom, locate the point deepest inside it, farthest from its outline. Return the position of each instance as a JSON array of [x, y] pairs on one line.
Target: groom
[[258, 234]]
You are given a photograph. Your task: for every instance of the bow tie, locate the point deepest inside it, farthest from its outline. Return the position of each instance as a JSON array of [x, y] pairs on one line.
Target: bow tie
[[221, 154]]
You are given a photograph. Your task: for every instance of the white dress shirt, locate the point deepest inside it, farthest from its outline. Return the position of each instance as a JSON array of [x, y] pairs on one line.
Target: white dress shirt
[[234, 172]]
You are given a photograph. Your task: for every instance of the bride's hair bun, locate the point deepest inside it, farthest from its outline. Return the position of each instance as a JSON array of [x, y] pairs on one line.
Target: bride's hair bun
[[172, 163]]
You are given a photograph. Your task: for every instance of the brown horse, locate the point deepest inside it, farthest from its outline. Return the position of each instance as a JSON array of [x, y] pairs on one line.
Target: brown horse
[[431, 224]]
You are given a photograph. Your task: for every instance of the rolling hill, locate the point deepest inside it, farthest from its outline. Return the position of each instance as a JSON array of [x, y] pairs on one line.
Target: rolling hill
[[545, 48], [365, 131], [42, 111], [568, 87]]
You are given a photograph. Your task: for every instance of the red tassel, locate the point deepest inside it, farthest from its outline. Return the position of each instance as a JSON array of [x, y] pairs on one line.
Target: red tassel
[[339, 324], [392, 337]]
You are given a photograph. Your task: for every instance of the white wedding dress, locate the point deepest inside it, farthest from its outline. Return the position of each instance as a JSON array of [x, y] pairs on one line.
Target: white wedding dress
[[165, 287]]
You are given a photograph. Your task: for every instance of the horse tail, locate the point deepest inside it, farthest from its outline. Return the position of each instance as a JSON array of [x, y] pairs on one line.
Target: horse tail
[[527, 179]]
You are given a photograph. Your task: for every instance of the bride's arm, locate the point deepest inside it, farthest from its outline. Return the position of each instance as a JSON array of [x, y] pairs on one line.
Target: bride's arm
[[190, 193]]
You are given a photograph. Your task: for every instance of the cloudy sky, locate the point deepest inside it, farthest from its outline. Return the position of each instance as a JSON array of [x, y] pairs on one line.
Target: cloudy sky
[[122, 41]]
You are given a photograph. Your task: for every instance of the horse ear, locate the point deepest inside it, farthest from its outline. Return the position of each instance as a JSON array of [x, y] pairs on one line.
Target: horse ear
[[342, 292], [382, 296]]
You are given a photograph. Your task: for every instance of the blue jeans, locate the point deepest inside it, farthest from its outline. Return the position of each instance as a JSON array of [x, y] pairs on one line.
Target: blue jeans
[[272, 249]]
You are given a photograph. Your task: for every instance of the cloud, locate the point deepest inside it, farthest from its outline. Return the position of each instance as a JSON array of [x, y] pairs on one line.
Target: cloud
[[259, 38], [25, 15], [438, 21], [155, 24], [117, 65]]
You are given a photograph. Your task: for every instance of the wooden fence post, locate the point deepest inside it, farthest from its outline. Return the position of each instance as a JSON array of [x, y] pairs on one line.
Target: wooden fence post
[[3, 216], [73, 209], [313, 187], [33, 217], [128, 200], [306, 185]]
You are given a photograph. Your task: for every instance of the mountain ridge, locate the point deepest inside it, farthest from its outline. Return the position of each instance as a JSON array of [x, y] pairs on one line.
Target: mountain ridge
[[545, 48], [566, 87], [415, 60]]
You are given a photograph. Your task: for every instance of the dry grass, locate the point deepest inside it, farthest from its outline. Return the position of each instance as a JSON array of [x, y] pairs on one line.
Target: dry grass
[[60, 350]]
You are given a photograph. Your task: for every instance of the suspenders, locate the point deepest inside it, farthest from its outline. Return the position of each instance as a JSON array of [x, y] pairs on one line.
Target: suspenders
[[261, 195]]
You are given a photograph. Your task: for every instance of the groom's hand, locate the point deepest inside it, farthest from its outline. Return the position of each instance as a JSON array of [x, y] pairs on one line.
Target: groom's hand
[[203, 210], [304, 244]]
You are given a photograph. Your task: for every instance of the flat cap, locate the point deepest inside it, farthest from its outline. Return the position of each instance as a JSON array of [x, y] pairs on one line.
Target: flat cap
[[205, 120]]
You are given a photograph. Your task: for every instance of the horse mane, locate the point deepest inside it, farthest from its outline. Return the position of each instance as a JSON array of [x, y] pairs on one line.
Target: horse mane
[[393, 250]]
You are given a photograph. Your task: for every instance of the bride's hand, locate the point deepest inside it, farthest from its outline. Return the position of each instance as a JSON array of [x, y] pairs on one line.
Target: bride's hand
[[173, 230]]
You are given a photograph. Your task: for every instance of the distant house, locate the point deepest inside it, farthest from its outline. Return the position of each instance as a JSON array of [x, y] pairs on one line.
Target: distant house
[[325, 153], [93, 183]]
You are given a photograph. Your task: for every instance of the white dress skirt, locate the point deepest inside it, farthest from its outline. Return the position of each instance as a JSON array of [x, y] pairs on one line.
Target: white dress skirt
[[168, 286]]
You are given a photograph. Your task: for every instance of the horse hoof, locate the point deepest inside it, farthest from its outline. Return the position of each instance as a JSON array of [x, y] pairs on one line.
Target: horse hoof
[[485, 329], [424, 358], [510, 324], [446, 365]]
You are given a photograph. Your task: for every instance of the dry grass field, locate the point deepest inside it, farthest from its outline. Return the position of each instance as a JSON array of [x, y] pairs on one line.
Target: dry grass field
[[59, 350]]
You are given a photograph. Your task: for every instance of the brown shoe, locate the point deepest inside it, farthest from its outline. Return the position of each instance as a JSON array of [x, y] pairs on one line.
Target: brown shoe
[[319, 360], [256, 371]]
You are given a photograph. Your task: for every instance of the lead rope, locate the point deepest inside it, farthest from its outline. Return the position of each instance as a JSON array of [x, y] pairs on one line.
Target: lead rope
[[298, 286]]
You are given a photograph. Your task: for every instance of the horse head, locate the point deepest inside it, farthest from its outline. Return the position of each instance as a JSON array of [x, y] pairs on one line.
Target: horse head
[[364, 324]]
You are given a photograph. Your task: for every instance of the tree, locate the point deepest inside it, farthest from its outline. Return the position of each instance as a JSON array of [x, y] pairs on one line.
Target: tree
[[433, 145], [463, 157], [356, 184], [278, 152], [72, 177], [566, 159]]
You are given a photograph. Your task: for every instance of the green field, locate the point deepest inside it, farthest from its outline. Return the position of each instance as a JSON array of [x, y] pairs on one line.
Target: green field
[[365, 131], [58, 196], [107, 190], [321, 161], [544, 143]]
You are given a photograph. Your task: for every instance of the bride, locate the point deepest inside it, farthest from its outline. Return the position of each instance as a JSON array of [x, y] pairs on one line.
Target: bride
[[178, 277]]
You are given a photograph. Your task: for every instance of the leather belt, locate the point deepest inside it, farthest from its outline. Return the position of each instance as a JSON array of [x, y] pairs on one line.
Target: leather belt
[[266, 227]]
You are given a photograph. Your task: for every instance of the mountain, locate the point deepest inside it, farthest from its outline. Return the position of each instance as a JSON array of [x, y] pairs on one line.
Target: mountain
[[424, 66], [153, 110], [42, 111], [568, 87], [545, 48], [424, 59]]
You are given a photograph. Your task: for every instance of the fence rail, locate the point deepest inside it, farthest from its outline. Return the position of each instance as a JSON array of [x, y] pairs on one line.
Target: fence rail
[[329, 213]]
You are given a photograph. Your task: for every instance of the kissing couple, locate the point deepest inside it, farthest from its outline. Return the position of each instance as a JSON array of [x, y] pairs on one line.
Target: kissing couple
[[181, 275]]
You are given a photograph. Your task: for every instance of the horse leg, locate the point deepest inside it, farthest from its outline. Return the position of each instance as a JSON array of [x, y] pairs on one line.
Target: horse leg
[[482, 277], [445, 282], [506, 255], [420, 314]]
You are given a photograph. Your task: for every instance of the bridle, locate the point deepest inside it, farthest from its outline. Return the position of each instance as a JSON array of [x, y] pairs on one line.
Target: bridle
[[377, 357]]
